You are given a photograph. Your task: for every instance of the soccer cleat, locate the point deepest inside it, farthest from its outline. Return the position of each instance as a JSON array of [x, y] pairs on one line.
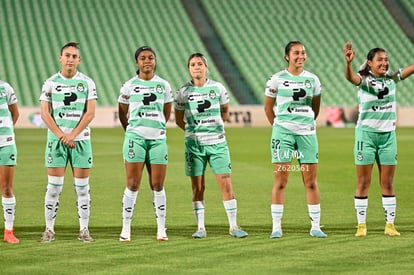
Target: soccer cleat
[[9, 237], [276, 234], [390, 230], [317, 233], [125, 235], [361, 230], [84, 236], [124, 239], [200, 234], [47, 236], [237, 232], [162, 235]]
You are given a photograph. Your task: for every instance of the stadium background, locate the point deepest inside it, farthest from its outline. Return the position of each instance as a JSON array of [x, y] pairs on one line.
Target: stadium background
[[244, 41]]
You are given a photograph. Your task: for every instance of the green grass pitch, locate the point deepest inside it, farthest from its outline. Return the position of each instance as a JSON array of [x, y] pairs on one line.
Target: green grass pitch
[[296, 252]]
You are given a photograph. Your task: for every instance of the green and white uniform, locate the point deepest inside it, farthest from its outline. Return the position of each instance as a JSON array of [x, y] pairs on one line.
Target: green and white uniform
[[201, 106], [7, 98], [377, 102], [8, 152], [293, 96], [375, 130], [146, 128], [68, 97], [294, 128], [146, 101], [204, 128]]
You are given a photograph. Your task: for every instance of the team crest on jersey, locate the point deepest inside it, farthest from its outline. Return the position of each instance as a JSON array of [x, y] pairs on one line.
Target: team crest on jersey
[[276, 154], [360, 157], [131, 154], [212, 94], [308, 84], [49, 158], [80, 87], [158, 89]]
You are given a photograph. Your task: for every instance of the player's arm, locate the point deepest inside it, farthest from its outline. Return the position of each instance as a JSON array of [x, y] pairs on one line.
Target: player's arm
[[14, 111], [123, 114], [225, 111], [269, 109], [167, 111], [45, 112], [407, 71], [316, 103], [349, 55], [179, 118], [86, 119]]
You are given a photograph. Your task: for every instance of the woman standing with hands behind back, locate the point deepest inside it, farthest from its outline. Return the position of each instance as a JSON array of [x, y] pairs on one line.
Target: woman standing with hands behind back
[[296, 93], [201, 107], [144, 106], [375, 138]]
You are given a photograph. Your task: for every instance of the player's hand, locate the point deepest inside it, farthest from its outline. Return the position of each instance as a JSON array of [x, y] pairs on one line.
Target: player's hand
[[68, 140], [349, 53]]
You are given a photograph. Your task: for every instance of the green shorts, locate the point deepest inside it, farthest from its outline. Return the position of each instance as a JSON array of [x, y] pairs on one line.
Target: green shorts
[[197, 156], [8, 155], [58, 155], [284, 147], [137, 149], [370, 147]]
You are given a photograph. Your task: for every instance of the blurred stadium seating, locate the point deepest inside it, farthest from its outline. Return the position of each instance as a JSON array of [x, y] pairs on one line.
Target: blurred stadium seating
[[109, 32], [256, 32], [253, 32], [409, 6]]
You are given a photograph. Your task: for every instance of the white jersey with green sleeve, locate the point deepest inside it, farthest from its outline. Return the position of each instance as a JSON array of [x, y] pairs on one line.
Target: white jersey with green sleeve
[[146, 100], [377, 102], [293, 95], [7, 98], [202, 112], [69, 97]]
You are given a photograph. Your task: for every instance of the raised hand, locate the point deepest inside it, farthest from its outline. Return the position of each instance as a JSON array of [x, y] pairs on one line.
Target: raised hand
[[349, 53]]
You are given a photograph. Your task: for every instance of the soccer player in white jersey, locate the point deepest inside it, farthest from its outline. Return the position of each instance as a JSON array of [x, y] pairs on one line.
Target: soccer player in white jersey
[[144, 106], [375, 138], [292, 100], [9, 113], [67, 103], [201, 107]]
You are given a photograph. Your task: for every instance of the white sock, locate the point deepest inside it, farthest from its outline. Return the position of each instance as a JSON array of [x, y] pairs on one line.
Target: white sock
[[198, 207], [231, 210], [389, 204], [160, 207], [277, 214], [9, 205], [315, 215], [128, 204], [83, 202], [53, 190], [361, 206]]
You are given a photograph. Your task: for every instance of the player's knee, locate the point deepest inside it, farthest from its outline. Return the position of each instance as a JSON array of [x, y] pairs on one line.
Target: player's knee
[[82, 187], [54, 187]]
